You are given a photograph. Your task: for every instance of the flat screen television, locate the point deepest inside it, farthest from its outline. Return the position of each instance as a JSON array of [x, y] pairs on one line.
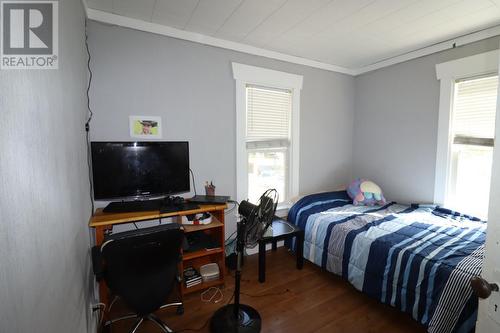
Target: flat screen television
[[142, 169]]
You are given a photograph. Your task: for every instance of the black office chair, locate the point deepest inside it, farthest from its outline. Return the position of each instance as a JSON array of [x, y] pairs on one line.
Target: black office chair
[[140, 267]]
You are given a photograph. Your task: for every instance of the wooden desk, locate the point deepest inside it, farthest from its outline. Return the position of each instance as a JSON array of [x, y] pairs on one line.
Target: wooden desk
[[104, 222]]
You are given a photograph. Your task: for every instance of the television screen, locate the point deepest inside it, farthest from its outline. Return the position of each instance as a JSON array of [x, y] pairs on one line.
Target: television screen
[[139, 169]]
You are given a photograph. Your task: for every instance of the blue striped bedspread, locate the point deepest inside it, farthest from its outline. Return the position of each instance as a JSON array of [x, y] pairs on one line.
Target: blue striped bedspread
[[417, 258]]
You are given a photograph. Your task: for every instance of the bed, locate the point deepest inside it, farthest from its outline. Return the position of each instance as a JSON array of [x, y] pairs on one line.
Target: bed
[[417, 258]]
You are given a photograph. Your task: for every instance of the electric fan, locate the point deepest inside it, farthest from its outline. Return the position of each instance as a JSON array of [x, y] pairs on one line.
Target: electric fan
[[255, 219]]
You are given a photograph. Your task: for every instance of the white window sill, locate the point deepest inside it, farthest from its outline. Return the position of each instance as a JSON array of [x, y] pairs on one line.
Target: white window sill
[[282, 210]]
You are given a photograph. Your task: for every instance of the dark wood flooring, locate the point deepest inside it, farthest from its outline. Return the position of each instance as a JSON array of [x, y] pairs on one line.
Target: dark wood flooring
[[307, 300]]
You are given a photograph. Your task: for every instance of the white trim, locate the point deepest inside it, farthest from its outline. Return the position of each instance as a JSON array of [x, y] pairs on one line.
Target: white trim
[[282, 210], [442, 46], [241, 150], [483, 63], [443, 152], [243, 75], [295, 145], [109, 18], [264, 76], [448, 73]]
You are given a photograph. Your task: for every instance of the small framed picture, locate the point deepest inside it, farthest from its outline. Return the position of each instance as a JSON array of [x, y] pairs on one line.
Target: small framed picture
[[145, 127]]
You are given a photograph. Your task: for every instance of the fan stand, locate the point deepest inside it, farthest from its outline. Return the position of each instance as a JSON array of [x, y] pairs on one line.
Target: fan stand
[[236, 317]]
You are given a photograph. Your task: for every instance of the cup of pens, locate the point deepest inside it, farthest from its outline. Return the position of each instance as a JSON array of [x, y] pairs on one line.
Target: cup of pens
[[209, 189]]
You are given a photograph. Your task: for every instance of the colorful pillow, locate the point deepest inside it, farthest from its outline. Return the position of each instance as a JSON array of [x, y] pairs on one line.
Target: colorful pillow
[[364, 192]]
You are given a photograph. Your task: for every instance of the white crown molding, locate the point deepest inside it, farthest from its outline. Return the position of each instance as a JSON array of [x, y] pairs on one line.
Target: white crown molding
[[109, 18], [449, 44], [101, 16]]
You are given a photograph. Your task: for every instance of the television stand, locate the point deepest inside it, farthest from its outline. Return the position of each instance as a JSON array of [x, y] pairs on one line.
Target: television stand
[[178, 208], [103, 224]]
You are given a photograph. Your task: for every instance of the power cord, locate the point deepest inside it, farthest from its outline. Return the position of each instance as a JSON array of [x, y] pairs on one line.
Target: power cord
[[230, 241], [194, 183], [235, 204], [229, 238], [206, 322], [89, 165], [101, 307], [215, 295], [89, 119]]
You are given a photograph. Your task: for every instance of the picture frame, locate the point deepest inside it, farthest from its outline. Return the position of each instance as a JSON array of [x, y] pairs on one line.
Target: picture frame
[[145, 127]]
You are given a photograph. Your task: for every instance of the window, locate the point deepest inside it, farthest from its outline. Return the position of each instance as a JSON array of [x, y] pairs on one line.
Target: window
[[267, 107], [466, 130], [268, 140], [472, 136]]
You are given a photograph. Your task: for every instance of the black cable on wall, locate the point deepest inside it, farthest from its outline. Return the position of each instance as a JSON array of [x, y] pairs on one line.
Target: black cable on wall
[[89, 119]]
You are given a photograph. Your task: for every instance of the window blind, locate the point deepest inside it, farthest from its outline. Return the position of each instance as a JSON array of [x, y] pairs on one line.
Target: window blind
[[474, 111], [268, 115]]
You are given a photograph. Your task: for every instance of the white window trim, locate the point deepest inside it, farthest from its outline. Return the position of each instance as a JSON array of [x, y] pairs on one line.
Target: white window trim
[[448, 73], [245, 74]]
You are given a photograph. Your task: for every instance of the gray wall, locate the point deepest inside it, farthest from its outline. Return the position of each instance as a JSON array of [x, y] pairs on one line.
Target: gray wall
[[192, 87], [395, 124], [44, 205]]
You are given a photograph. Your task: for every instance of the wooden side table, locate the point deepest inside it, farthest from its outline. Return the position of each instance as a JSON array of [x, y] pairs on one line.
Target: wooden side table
[[282, 230]]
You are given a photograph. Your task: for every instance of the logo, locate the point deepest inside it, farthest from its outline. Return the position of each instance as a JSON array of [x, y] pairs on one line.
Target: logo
[[29, 36]]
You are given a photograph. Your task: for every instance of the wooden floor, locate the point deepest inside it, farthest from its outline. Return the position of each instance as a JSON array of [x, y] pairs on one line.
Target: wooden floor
[[306, 300]]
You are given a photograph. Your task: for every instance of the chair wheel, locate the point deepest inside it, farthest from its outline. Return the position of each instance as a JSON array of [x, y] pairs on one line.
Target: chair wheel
[[180, 310]]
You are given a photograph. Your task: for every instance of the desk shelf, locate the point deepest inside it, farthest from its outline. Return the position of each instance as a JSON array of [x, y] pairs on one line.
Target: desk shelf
[[201, 253], [214, 224]]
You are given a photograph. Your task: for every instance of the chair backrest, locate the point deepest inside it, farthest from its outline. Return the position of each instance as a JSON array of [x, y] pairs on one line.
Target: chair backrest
[[141, 265]]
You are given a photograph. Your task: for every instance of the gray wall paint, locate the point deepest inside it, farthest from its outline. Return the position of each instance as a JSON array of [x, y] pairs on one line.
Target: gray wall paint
[[395, 126], [192, 87], [44, 205]]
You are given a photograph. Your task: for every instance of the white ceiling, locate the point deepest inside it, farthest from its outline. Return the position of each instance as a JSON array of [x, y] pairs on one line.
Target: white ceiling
[[347, 33]]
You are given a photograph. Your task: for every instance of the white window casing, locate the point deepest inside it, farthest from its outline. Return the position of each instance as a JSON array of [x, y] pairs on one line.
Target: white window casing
[[448, 74], [260, 137]]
